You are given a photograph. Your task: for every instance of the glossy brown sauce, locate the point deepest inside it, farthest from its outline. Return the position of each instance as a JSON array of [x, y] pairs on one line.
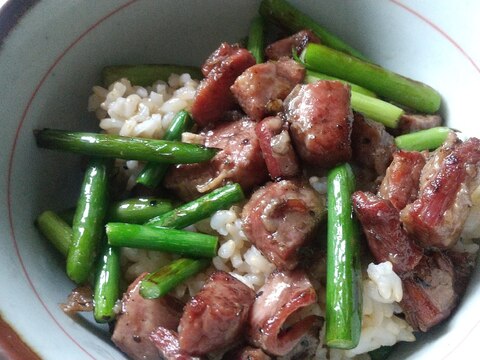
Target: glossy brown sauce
[[12, 347]]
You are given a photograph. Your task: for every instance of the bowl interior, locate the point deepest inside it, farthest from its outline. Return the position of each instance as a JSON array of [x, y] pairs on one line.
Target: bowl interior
[[52, 58]]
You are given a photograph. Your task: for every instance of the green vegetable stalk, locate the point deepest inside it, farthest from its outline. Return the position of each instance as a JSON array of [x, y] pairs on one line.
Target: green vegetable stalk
[[56, 230], [343, 299], [160, 282], [429, 139], [153, 173], [376, 109], [199, 209], [138, 210], [385, 83], [313, 76], [87, 228], [256, 41], [107, 285], [122, 147], [181, 242], [132, 211]]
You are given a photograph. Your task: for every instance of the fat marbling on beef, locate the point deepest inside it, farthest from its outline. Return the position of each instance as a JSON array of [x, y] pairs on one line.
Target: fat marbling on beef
[[277, 149], [217, 316], [321, 122], [280, 218]]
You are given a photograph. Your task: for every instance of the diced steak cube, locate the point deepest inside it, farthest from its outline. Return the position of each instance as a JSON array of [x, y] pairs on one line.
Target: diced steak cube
[[297, 42], [437, 217], [239, 161], [246, 353], [217, 316], [168, 346], [428, 292], [387, 239], [213, 96], [402, 179], [409, 123], [282, 295], [261, 89], [280, 218], [372, 145], [139, 317], [321, 122]]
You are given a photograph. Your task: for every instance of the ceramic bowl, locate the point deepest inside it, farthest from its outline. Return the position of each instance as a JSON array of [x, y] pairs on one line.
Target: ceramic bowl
[[51, 55]]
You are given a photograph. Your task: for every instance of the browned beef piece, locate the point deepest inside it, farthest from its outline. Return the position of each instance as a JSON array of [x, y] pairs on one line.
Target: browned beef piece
[[321, 122], [372, 145], [240, 160], [280, 218], [139, 317], [387, 239], [308, 344], [402, 179], [463, 264], [168, 346], [245, 352], [428, 292], [277, 149], [296, 42], [213, 95], [282, 295], [217, 316], [261, 89], [79, 300], [414, 122], [437, 217], [366, 179]]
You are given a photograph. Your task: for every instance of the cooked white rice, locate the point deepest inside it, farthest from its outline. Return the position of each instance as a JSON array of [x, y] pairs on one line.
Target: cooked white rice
[[129, 110], [382, 291]]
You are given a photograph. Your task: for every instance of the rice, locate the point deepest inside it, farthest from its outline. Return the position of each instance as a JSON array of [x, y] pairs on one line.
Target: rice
[[127, 110], [236, 254], [137, 261], [319, 184], [382, 291]]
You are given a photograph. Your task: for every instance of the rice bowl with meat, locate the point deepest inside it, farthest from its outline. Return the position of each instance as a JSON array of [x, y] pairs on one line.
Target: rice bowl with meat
[[278, 136]]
